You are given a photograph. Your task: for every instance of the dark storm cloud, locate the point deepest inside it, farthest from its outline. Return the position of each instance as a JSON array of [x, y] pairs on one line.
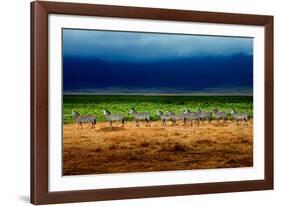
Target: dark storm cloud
[[132, 46], [127, 61]]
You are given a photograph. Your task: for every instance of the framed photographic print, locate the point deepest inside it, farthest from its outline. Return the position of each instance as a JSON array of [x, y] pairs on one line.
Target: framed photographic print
[[131, 102]]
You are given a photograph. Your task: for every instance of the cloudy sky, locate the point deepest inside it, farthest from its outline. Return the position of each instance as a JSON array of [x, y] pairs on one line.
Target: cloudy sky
[[110, 61]]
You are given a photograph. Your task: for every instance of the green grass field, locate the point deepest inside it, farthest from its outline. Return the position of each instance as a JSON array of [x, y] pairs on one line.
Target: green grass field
[[94, 104]]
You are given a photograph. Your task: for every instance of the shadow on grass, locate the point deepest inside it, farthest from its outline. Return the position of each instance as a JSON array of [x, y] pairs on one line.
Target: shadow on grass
[[111, 129]]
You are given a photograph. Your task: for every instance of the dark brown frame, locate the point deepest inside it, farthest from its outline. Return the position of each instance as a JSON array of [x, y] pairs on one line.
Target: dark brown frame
[[39, 102]]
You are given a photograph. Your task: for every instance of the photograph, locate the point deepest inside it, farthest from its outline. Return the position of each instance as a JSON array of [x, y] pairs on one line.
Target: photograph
[[148, 102], [130, 102]]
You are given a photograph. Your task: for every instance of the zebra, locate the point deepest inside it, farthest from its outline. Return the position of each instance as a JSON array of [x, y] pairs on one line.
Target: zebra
[[164, 117], [140, 116], [220, 115], [113, 117], [239, 116], [192, 116], [175, 117], [83, 119], [204, 115]]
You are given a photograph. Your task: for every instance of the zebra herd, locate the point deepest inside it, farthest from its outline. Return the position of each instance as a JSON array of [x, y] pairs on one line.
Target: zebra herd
[[184, 116]]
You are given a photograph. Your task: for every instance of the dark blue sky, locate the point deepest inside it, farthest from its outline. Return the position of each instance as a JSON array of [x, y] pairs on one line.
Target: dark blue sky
[[129, 62]]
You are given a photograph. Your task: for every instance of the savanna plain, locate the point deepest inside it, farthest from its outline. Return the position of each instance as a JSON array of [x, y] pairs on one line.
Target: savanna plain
[[119, 149]]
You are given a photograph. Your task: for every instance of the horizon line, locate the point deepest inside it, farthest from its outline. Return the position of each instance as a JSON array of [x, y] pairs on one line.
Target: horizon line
[[158, 94]]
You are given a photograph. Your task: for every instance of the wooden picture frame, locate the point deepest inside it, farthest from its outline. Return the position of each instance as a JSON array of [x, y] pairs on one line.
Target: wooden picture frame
[[39, 102]]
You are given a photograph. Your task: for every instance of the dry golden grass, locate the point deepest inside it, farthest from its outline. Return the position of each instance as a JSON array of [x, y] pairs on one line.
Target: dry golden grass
[[156, 148]]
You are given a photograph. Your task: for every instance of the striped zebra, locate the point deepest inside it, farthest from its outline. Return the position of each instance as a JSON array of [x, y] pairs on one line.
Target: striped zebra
[[138, 116], [175, 117], [204, 115], [239, 116], [83, 119], [113, 117], [220, 115], [192, 116], [164, 117]]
